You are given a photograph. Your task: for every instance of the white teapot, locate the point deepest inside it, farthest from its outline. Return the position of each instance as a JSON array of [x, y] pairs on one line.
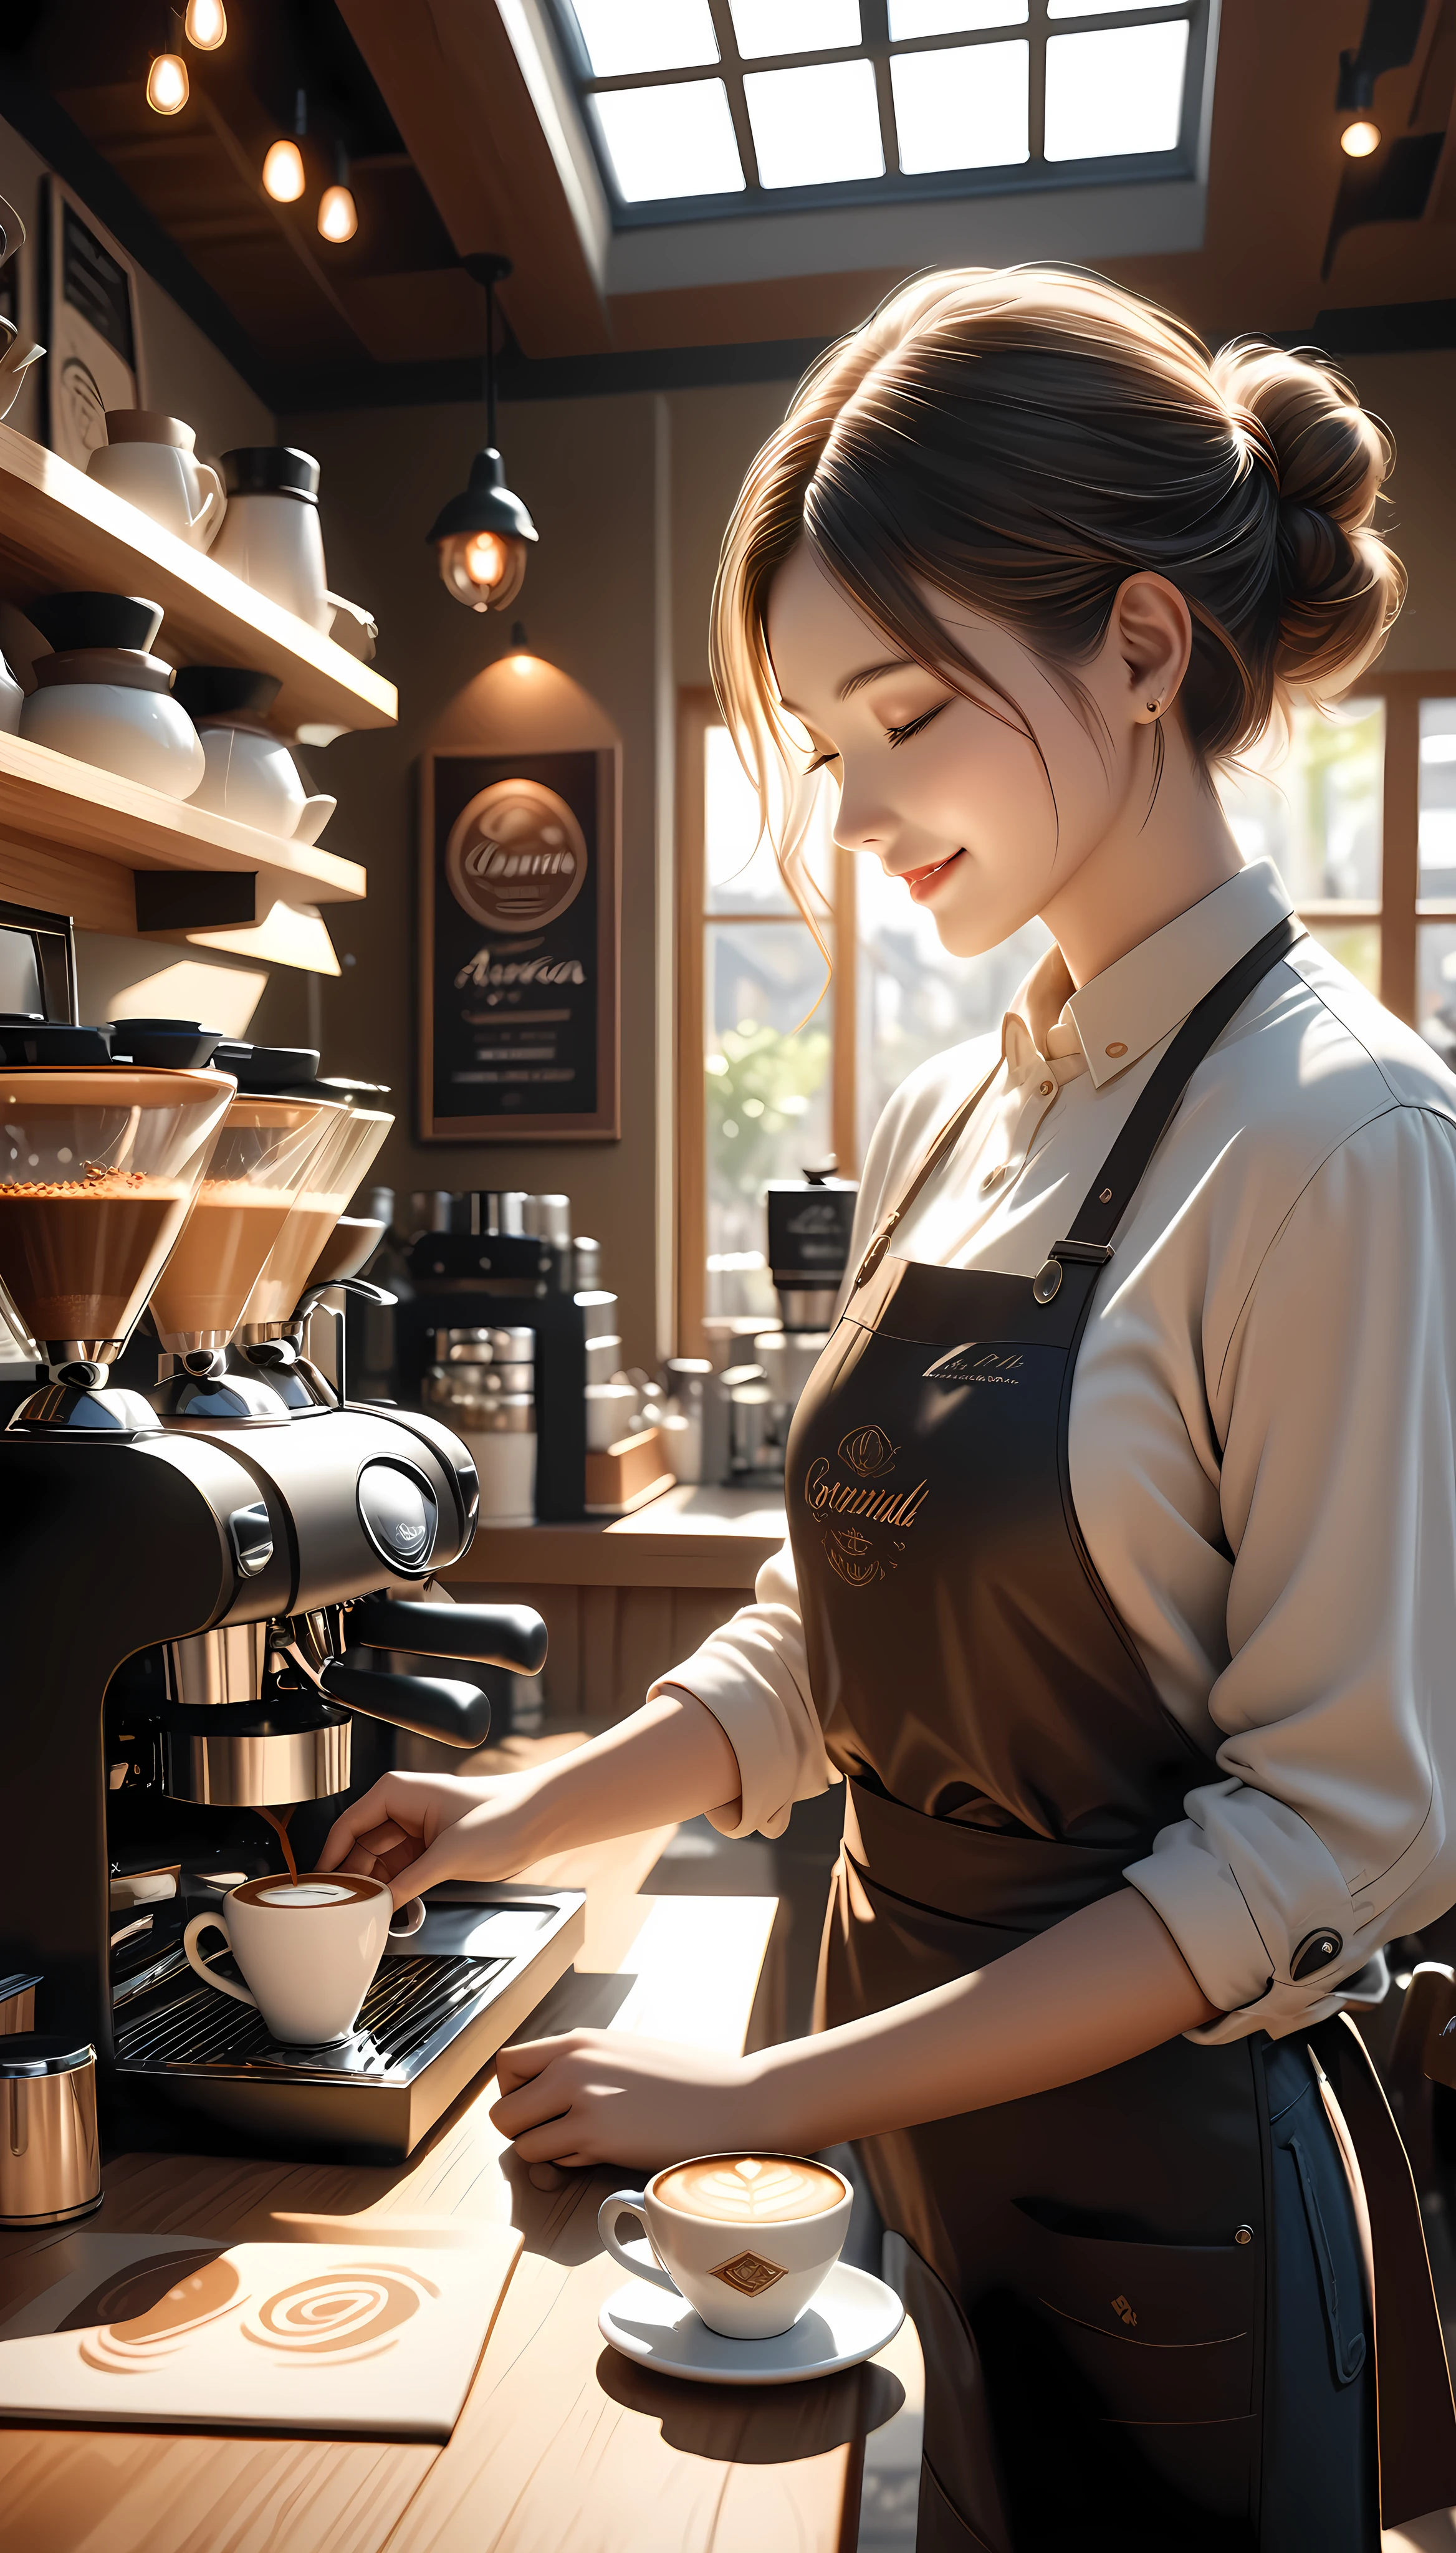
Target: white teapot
[[151, 461], [251, 775]]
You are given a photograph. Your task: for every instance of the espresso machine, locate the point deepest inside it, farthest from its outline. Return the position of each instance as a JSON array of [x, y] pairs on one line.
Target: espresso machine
[[198, 1580]]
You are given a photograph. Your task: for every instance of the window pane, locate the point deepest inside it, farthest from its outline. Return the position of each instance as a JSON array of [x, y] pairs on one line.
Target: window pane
[[818, 127], [1354, 944], [673, 141], [1116, 90], [952, 17], [1435, 994], [1438, 801], [767, 1091], [645, 35], [1094, 8], [965, 107], [913, 999], [1316, 810], [794, 26]]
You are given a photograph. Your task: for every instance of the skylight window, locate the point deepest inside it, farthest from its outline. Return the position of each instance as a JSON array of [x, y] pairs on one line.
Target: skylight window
[[794, 26], [817, 127], [699, 109], [1115, 91], [962, 109], [671, 141], [645, 35]]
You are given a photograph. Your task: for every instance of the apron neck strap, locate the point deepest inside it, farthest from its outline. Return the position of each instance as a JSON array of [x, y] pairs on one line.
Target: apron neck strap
[[1111, 1192]]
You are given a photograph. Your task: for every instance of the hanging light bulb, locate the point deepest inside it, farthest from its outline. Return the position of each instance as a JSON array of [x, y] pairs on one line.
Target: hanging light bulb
[[482, 537], [166, 85], [283, 171], [338, 214], [206, 25], [1359, 140]]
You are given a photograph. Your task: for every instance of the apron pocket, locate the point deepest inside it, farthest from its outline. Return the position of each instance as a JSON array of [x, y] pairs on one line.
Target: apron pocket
[[1159, 2332]]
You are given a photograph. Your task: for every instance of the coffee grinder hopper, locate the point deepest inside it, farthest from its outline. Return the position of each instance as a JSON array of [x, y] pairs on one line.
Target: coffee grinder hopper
[[99, 1165]]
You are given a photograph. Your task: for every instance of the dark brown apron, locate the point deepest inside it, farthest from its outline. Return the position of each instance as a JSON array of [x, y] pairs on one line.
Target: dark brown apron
[[1145, 2292]]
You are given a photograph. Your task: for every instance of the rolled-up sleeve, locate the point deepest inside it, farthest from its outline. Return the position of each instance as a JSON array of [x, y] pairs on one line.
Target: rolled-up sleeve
[[1337, 1755], [754, 1676]]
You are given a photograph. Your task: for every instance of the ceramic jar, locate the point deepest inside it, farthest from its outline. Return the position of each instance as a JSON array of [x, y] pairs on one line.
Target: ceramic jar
[[251, 775], [103, 698], [272, 540], [150, 460]]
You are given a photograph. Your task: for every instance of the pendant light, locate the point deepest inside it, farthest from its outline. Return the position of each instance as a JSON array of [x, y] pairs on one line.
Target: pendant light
[[481, 536], [206, 25], [282, 169], [338, 214], [168, 86]]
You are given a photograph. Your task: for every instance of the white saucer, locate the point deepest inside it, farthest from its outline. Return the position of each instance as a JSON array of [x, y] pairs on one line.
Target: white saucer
[[851, 2317]]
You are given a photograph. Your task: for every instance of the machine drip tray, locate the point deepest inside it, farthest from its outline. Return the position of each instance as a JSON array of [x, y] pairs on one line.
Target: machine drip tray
[[444, 2000]]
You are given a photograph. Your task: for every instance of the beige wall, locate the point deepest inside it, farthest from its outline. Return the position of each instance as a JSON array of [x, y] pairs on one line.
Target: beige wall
[[1417, 396]]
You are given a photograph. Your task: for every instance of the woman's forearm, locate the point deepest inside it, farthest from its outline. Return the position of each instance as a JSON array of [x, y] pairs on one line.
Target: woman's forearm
[[1100, 1988], [670, 1760]]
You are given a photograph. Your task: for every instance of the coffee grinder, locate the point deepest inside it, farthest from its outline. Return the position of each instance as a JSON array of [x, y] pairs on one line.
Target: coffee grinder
[[196, 1582]]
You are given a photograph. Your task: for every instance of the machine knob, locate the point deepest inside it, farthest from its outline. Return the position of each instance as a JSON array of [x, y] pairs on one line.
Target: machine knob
[[399, 1515], [250, 1536], [490, 1635]]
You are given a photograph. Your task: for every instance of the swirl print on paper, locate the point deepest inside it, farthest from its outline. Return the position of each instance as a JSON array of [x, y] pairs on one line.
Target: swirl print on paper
[[353, 2309], [151, 2311]]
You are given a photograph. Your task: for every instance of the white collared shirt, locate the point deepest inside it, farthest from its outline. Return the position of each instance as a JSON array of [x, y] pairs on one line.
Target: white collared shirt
[[1262, 1432]]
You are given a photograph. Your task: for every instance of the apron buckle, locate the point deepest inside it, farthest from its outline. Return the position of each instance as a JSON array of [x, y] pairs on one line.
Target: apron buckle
[[1047, 1282]]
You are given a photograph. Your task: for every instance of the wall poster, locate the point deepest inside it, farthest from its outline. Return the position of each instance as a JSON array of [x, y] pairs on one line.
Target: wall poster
[[93, 361], [519, 947]]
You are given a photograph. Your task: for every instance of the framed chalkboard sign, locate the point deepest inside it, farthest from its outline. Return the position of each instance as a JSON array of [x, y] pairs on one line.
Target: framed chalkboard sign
[[93, 359], [520, 949]]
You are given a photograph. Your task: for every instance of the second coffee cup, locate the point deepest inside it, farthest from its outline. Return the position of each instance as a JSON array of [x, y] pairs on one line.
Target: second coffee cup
[[308, 1948], [746, 2239]]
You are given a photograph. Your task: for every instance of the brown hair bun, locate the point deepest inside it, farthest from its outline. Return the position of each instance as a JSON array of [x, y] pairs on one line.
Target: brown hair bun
[[1339, 586]]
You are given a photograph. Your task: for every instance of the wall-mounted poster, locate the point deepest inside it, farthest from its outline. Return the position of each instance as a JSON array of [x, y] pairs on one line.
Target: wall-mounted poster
[[95, 361], [520, 949]]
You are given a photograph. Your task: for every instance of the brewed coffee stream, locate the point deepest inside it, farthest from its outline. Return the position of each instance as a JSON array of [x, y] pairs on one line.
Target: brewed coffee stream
[[279, 1826]]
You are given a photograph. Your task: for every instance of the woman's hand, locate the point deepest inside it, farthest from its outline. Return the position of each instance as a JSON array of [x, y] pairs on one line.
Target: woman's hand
[[416, 1829], [598, 2096]]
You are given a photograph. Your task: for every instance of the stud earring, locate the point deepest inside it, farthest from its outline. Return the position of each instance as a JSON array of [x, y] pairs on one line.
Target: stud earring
[[1155, 706]]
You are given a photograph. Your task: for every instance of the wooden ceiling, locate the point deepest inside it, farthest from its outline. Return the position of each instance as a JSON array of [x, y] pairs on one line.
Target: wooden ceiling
[[447, 157]]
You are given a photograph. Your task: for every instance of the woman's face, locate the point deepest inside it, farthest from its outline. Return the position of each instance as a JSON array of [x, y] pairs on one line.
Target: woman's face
[[945, 791]]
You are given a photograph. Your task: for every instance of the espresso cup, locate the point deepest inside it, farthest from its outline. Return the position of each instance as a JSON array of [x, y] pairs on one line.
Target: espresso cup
[[746, 2239], [308, 1950]]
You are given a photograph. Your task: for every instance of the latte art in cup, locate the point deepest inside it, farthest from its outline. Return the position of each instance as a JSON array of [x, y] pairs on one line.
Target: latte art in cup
[[311, 1888], [753, 2189], [303, 1892]]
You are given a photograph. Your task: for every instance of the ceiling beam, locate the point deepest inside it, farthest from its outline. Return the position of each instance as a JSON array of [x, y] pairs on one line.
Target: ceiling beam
[[450, 77]]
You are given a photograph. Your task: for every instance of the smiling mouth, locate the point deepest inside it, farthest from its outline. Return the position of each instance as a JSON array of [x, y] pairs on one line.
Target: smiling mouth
[[921, 880]]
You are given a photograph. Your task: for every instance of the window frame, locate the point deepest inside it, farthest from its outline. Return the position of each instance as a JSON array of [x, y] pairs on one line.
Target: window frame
[[1034, 175], [1397, 914]]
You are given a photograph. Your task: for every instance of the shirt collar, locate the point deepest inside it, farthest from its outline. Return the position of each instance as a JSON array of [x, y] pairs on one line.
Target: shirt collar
[[1136, 1002]]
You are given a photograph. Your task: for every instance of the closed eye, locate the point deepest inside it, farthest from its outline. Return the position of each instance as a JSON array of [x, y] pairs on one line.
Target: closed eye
[[913, 727], [819, 763]]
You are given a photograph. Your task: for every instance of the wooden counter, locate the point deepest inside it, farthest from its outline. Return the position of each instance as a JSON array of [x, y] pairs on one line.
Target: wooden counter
[[563, 2446]]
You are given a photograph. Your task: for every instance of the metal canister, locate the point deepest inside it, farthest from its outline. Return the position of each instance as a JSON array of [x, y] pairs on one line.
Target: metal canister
[[49, 2153]]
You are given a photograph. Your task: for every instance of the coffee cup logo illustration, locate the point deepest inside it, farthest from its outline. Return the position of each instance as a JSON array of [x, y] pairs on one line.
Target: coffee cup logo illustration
[[516, 856]]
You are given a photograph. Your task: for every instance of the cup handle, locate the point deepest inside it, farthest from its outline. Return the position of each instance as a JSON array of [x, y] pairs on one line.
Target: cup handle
[[629, 2203], [195, 1958], [407, 1918], [214, 502]]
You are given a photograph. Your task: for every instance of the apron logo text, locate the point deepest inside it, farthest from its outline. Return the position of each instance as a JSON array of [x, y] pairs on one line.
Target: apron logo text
[[829, 1497], [972, 1363]]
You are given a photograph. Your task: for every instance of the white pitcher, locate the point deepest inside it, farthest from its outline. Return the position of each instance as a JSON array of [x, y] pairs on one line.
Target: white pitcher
[[151, 461]]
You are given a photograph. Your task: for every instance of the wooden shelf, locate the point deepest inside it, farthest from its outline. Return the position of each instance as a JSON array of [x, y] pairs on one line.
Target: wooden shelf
[[70, 836], [62, 531]]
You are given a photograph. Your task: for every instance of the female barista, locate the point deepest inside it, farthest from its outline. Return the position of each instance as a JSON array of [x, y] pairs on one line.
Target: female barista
[[1119, 1588]]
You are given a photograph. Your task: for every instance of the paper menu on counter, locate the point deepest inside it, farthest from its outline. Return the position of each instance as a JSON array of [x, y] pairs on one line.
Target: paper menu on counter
[[358, 2339]]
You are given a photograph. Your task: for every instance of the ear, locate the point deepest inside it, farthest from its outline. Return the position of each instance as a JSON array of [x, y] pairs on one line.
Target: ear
[[1151, 631]]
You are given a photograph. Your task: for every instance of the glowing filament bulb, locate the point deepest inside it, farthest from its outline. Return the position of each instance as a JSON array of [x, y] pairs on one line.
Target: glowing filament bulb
[[338, 214], [1358, 141], [283, 171], [166, 85], [485, 558], [205, 24]]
